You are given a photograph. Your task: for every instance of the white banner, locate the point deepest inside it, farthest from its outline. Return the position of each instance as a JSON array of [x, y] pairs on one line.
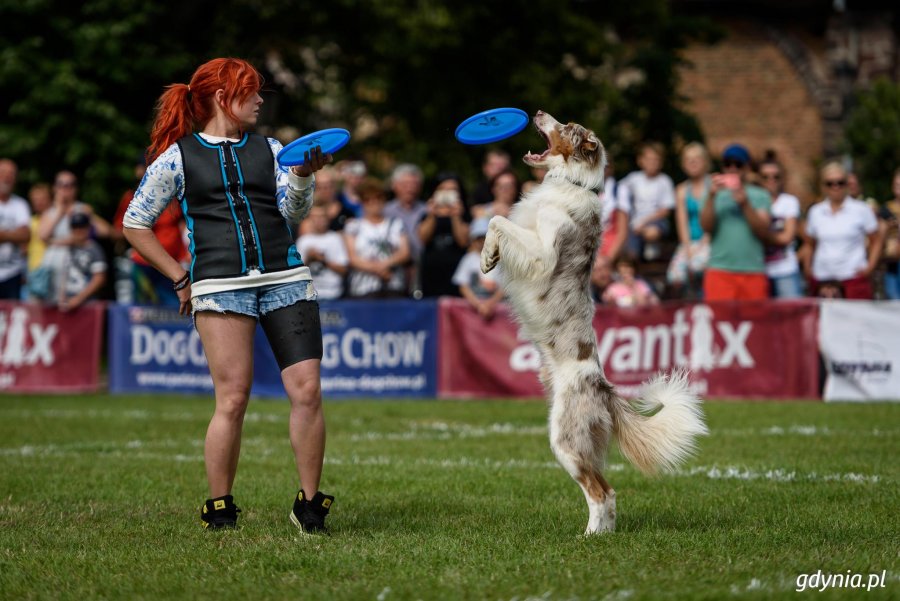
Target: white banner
[[860, 344]]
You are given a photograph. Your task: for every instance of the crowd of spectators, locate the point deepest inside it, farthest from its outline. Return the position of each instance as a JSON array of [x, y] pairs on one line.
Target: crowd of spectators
[[728, 230]]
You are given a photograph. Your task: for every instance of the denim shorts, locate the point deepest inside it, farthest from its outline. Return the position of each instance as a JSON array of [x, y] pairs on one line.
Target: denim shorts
[[256, 301]]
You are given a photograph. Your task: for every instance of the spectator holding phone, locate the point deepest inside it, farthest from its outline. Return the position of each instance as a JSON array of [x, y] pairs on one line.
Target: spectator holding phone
[[844, 237], [736, 216], [444, 232]]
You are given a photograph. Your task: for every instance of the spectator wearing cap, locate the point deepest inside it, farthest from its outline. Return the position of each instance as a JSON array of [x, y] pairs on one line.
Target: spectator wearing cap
[[736, 215], [844, 237], [482, 291], [15, 232], [86, 267]]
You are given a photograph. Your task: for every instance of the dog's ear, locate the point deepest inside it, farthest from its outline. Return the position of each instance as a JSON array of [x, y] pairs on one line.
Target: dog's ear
[[591, 143]]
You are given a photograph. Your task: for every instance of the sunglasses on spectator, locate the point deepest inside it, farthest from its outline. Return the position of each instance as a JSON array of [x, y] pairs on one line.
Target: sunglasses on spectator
[[732, 163], [835, 183], [771, 176]]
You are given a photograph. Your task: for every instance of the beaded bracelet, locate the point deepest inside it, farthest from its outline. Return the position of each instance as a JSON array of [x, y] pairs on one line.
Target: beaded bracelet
[[183, 282]]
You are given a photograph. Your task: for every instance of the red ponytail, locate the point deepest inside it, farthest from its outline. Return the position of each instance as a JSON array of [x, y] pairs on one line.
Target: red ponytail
[[183, 108]]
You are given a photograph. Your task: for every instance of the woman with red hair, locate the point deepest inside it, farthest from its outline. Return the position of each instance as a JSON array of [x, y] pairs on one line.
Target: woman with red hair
[[239, 204]]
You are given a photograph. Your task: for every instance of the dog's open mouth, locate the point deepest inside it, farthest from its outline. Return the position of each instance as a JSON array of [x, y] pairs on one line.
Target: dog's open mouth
[[533, 157]]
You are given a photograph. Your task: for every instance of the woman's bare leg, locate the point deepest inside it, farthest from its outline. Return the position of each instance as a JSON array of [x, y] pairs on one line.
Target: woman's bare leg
[[228, 343]]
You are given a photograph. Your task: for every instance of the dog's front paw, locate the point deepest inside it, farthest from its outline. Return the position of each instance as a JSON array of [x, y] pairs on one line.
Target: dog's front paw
[[489, 258]]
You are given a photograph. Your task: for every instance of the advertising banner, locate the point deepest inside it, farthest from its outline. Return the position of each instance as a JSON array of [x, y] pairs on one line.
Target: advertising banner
[[154, 349], [379, 348], [761, 349], [371, 349], [45, 350], [860, 343]]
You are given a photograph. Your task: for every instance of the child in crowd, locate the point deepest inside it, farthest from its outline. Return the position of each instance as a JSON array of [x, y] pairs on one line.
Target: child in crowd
[[628, 290], [323, 250], [482, 291], [648, 196], [831, 289], [85, 274]]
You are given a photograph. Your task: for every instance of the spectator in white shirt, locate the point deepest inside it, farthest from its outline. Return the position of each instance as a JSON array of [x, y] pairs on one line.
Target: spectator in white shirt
[[782, 265], [649, 197], [378, 247], [324, 252], [15, 232], [844, 237]]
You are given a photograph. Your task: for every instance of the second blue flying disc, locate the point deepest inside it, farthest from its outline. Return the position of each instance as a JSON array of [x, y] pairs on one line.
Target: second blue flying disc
[[491, 126], [330, 140]]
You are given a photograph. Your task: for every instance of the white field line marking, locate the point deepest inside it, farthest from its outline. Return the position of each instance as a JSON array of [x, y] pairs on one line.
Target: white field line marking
[[261, 450], [133, 414], [434, 430], [445, 431]]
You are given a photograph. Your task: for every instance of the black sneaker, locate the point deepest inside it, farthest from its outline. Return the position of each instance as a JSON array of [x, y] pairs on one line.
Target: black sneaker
[[309, 514], [220, 512]]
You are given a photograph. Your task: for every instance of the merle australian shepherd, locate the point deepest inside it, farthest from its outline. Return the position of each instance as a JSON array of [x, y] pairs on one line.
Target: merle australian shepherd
[[547, 248]]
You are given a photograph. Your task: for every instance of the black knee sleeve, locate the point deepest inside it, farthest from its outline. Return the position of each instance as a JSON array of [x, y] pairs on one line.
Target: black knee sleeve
[[294, 333]]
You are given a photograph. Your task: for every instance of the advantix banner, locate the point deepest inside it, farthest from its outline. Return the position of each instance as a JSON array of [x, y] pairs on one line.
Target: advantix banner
[[43, 349], [761, 349]]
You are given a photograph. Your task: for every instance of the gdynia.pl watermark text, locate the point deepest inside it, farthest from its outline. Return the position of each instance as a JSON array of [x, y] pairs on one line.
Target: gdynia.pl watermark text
[[818, 581]]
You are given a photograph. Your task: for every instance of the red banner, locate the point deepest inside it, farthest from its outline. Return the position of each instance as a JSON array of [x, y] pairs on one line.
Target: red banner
[[45, 350], [761, 349]]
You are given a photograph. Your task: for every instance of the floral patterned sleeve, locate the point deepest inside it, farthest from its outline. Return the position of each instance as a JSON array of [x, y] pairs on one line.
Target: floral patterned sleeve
[[163, 181], [293, 193]]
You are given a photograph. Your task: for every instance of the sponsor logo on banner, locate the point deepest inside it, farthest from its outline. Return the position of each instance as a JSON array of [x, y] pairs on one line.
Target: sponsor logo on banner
[[162, 347], [386, 351], [369, 348], [861, 360], [650, 347], [35, 341], [727, 347], [155, 348], [693, 338], [24, 342]]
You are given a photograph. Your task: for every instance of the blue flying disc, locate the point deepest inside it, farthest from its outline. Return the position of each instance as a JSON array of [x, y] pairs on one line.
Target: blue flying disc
[[330, 140], [491, 126]]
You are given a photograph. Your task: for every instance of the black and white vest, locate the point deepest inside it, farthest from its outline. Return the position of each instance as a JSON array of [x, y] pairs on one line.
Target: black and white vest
[[230, 208]]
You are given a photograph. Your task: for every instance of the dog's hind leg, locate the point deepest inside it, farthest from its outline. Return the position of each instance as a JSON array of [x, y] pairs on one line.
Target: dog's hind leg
[[579, 444], [601, 499]]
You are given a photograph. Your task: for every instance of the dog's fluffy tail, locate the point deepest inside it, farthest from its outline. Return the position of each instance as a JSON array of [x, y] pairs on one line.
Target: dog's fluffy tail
[[664, 440]]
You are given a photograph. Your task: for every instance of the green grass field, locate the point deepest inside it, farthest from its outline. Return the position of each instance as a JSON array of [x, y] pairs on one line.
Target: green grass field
[[99, 499]]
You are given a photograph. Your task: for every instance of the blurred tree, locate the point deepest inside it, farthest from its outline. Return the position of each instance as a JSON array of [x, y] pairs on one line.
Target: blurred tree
[[872, 137], [78, 80]]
